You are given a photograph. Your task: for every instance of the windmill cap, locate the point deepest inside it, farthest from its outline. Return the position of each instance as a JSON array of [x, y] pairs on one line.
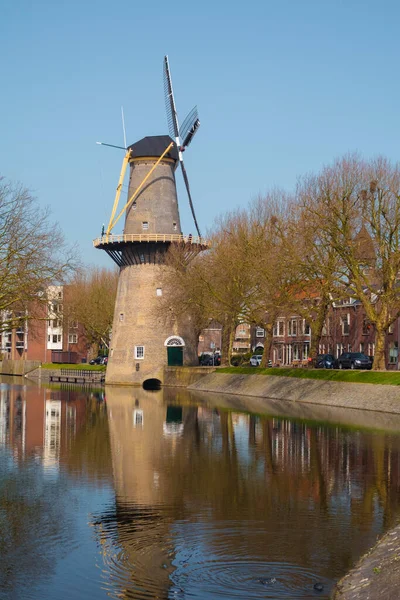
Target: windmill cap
[[154, 145]]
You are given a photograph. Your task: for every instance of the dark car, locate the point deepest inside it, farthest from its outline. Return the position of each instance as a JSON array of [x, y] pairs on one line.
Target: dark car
[[325, 361], [97, 361], [354, 360], [207, 359]]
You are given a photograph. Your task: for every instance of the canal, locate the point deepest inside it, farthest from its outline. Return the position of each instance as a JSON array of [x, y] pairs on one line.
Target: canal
[[142, 495]]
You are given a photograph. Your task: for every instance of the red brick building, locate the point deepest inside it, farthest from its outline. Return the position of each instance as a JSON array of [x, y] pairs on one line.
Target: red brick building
[[47, 335]]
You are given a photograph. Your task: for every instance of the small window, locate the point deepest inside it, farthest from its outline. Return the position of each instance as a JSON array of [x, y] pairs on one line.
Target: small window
[[138, 417], [48, 338], [134, 205], [260, 332], [159, 292], [59, 338], [145, 225], [139, 352], [174, 226], [142, 258], [54, 339], [121, 316], [72, 338]]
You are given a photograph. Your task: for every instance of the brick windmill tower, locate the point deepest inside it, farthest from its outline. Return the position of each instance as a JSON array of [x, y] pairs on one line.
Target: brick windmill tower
[[144, 341]]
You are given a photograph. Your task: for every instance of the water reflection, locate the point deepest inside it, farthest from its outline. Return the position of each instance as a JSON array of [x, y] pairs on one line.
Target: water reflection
[[167, 495], [215, 503], [54, 460]]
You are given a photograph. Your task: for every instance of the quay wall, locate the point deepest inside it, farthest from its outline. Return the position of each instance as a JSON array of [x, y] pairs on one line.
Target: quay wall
[[18, 367], [383, 398], [184, 376]]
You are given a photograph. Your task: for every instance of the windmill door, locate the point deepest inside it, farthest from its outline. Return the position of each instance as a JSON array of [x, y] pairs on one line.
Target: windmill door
[[175, 356]]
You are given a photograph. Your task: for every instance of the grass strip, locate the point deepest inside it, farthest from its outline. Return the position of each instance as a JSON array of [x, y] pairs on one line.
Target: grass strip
[[81, 367], [350, 376]]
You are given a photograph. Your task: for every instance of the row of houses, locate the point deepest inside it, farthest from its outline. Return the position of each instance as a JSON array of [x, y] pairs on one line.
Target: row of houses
[[346, 329], [49, 337]]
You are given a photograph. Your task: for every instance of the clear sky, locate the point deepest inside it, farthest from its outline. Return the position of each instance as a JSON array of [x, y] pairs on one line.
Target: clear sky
[[282, 87]]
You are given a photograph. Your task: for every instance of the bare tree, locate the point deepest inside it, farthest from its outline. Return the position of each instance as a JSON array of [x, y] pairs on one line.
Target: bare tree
[[357, 205], [33, 255], [90, 299]]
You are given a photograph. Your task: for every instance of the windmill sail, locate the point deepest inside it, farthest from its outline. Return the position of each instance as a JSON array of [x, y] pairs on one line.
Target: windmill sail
[[172, 116], [189, 128], [185, 177]]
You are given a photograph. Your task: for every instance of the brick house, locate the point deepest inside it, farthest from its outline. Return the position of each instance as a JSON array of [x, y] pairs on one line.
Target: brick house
[[45, 336]]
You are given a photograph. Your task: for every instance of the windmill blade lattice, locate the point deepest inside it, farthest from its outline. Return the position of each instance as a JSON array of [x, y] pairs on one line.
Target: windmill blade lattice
[[189, 127], [187, 132], [172, 117]]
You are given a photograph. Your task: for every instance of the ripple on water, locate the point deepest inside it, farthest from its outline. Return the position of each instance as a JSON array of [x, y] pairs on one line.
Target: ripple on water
[[245, 579]]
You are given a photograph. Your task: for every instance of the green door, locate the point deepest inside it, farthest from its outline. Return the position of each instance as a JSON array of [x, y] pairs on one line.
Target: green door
[[175, 356]]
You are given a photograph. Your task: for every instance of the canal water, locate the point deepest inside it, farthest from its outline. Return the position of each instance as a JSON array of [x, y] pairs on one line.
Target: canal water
[[142, 495]]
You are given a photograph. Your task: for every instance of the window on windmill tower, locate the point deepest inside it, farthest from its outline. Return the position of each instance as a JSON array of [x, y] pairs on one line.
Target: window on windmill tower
[[139, 352], [145, 225], [158, 292], [134, 205], [174, 226]]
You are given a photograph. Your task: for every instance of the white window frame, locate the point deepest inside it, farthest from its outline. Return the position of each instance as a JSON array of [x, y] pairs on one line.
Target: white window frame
[[139, 352], [260, 332], [72, 338], [145, 225]]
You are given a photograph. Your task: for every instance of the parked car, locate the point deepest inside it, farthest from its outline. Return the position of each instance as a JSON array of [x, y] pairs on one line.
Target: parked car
[[255, 360], [325, 361], [97, 361], [354, 360], [208, 359]]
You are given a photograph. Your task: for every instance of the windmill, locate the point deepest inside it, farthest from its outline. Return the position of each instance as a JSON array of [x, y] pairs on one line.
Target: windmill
[[183, 135]]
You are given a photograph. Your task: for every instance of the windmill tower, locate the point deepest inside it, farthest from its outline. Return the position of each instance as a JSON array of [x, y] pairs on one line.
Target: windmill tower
[[143, 340]]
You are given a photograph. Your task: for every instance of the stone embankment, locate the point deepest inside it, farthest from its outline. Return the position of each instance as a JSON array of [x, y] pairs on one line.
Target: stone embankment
[[365, 396]]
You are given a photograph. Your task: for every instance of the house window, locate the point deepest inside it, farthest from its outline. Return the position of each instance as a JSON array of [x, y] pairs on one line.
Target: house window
[[346, 324], [279, 329], [260, 333], [393, 353], [139, 351], [306, 349], [295, 352], [390, 328], [362, 346], [366, 328], [48, 338], [145, 225], [339, 350], [292, 327], [73, 325], [371, 349], [307, 329], [158, 292], [72, 338], [59, 338], [54, 339]]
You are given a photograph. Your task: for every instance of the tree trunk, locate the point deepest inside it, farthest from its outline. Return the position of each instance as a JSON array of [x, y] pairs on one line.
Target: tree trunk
[[267, 345], [379, 358], [228, 335], [318, 324]]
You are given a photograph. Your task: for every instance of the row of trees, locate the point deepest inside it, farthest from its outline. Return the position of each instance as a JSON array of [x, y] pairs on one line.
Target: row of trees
[[34, 255], [336, 236]]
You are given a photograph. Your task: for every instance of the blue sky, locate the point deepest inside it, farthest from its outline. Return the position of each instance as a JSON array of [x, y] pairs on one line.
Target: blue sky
[[281, 87]]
